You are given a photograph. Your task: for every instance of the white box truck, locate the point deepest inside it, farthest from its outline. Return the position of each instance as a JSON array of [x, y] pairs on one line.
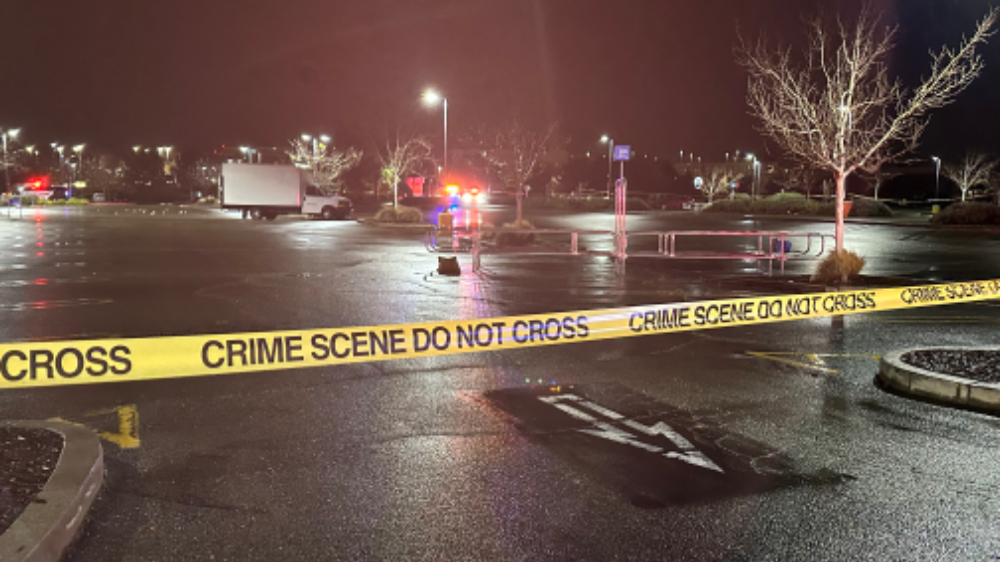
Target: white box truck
[[264, 191]]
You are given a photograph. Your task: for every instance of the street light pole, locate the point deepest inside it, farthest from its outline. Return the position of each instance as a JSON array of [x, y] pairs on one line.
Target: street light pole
[[78, 149], [59, 149], [444, 105], [6, 165], [432, 98], [611, 171], [6, 168], [937, 176]]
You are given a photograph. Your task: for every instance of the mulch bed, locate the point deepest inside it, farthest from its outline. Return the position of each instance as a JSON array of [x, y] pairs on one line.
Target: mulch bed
[[979, 365], [27, 459]]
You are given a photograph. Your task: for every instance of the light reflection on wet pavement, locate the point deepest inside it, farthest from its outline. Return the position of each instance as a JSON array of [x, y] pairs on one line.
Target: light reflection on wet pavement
[[305, 464]]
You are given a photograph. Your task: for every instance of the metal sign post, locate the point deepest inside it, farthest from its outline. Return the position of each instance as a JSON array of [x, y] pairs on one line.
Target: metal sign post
[[622, 154]]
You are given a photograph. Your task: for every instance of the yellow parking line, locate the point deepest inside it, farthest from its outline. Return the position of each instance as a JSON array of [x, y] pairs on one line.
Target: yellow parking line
[[811, 361], [783, 358], [127, 435]]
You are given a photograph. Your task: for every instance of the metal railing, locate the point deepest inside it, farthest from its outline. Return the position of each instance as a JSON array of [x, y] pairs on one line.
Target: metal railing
[[778, 245]]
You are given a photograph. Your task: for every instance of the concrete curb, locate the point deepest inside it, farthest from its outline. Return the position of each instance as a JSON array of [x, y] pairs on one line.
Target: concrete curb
[[413, 226], [45, 530], [937, 387]]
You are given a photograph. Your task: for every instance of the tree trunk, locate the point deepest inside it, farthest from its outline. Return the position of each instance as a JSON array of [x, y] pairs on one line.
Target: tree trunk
[[963, 195], [519, 197], [841, 192]]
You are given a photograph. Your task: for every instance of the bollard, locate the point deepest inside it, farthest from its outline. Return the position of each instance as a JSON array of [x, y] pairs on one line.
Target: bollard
[[445, 221]]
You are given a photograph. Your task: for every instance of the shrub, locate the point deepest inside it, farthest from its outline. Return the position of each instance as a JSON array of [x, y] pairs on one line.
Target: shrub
[[870, 208], [401, 214], [77, 201], [386, 214], [787, 195], [516, 238], [838, 267], [781, 204], [583, 203], [487, 230], [409, 215], [570, 203], [969, 213]]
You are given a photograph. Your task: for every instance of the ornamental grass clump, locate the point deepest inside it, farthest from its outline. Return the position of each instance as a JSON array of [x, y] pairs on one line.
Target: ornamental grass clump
[[838, 267]]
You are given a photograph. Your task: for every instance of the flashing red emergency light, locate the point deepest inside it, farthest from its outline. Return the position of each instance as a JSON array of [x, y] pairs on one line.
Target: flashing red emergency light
[[38, 184], [451, 190]]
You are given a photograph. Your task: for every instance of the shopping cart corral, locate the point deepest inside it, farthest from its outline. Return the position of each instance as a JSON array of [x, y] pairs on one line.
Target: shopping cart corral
[[759, 246]]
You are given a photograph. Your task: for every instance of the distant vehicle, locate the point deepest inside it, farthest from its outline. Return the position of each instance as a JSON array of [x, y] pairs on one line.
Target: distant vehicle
[[97, 198], [40, 189], [264, 191], [677, 203], [465, 194]]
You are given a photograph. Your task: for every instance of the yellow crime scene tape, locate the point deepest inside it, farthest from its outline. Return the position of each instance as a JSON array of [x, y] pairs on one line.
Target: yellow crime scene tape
[[45, 364]]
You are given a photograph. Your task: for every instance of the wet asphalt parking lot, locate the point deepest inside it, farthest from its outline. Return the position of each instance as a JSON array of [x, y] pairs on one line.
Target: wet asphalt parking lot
[[749, 443]]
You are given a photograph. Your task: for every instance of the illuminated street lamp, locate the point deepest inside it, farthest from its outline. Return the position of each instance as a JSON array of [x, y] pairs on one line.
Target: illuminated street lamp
[[325, 139], [755, 177], [78, 149], [12, 134], [937, 176], [432, 98], [250, 152], [611, 152]]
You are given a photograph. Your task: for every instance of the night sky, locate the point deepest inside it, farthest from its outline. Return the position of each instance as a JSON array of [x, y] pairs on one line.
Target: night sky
[[657, 74]]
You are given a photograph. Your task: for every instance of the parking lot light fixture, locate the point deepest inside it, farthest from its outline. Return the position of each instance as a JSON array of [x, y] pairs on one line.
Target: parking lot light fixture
[[8, 134], [611, 150], [432, 98]]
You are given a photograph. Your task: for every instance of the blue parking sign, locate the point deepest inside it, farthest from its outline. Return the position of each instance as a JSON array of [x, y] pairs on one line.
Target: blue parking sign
[[622, 153]]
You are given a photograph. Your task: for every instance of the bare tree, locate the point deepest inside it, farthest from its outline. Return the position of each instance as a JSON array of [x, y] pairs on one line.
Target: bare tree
[[882, 176], [516, 153], [719, 181], [975, 169], [837, 108], [326, 163], [402, 157]]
